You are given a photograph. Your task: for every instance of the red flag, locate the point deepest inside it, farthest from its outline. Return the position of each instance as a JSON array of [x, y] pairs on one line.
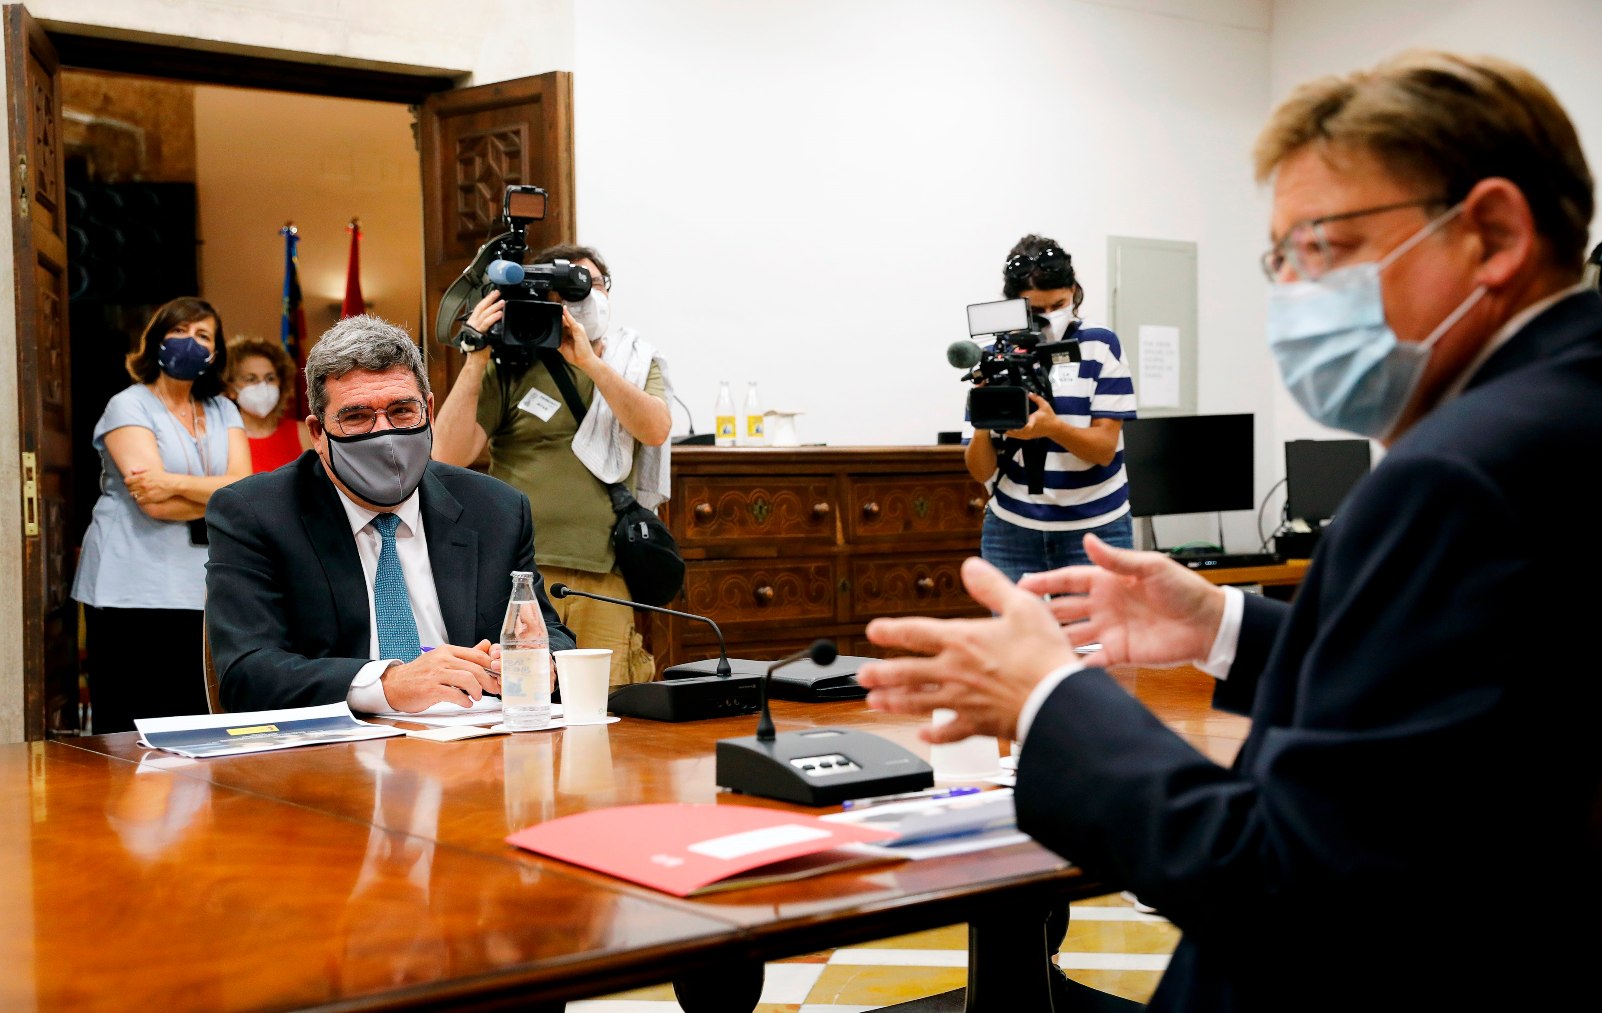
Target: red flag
[[354, 305], [292, 318]]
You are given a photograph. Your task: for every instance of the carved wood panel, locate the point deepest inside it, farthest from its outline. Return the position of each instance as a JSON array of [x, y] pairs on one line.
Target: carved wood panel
[[51, 330], [781, 509], [881, 506], [44, 143], [486, 163], [891, 586], [741, 592]]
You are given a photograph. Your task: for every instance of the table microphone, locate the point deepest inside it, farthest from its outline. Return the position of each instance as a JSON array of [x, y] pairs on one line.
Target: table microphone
[[816, 766], [820, 652], [723, 669], [723, 694]]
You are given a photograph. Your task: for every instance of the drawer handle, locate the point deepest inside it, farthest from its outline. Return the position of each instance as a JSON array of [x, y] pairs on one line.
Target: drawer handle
[[870, 509], [703, 511], [925, 585], [764, 594], [820, 510], [976, 504]]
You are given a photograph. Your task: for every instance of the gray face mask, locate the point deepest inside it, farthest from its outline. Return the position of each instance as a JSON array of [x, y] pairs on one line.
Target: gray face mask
[[382, 467]]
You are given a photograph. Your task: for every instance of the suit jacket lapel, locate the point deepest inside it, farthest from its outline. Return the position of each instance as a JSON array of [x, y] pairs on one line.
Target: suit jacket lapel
[[453, 555], [328, 528]]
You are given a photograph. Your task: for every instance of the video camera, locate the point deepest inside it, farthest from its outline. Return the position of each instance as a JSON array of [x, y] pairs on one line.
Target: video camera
[[530, 321], [1017, 364]]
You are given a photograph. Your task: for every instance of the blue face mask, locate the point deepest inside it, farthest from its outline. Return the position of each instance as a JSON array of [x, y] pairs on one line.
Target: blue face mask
[[183, 358], [1338, 357]]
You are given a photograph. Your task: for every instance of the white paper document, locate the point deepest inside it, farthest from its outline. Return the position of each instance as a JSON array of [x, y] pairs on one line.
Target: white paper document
[[206, 735], [1157, 386], [931, 828], [486, 710]]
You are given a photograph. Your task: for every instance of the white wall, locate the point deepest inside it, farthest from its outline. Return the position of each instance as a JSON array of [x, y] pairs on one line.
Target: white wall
[[807, 195], [1558, 40]]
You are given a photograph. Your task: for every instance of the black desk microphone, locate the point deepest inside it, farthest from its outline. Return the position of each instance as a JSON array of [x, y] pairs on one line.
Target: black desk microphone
[[725, 693], [818, 766]]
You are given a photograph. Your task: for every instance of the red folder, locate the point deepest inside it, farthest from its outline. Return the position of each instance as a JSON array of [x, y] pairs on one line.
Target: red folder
[[688, 849]]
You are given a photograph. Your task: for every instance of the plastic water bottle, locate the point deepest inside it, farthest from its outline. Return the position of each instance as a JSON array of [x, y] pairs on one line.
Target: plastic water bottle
[[752, 433], [525, 659], [725, 416]]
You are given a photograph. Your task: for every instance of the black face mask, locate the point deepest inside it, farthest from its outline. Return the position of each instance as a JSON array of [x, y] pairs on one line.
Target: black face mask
[[382, 467]]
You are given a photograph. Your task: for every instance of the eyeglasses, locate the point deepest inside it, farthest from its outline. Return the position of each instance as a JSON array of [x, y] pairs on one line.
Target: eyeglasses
[[1306, 249], [360, 419], [1022, 265]]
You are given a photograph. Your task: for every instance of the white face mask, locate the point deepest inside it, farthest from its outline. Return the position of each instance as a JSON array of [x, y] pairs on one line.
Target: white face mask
[[593, 312], [258, 398], [1060, 320], [1336, 352]]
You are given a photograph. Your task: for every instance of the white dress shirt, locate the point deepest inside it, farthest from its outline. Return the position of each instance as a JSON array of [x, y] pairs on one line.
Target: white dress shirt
[[411, 545]]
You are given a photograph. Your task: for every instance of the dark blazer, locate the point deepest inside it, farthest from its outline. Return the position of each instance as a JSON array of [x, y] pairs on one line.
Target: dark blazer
[[286, 600], [1413, 819]]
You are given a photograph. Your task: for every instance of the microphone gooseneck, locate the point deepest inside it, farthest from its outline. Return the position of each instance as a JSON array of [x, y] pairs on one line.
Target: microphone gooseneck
[[724, 671], [820, 652]]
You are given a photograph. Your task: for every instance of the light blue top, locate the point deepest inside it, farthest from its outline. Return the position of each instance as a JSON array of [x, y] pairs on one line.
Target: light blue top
[[132, 560]]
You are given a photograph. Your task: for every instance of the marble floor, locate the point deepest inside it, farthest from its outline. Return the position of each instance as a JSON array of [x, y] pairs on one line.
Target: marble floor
[[1111, 946]]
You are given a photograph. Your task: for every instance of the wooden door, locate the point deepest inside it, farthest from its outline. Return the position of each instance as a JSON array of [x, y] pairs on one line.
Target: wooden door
[[39, 257], [475, 141]]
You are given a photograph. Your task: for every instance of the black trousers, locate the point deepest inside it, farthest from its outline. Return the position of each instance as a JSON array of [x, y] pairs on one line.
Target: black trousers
[[143, 663]]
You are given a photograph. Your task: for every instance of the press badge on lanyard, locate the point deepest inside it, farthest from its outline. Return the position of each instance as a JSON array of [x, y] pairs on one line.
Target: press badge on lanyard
[[539, 404], [1064, 369]]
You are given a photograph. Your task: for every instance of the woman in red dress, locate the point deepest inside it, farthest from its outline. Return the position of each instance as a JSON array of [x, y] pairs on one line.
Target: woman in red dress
[[261, 380]]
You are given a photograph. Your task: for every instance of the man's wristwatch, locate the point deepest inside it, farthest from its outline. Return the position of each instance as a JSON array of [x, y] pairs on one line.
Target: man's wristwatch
[[470, 340]]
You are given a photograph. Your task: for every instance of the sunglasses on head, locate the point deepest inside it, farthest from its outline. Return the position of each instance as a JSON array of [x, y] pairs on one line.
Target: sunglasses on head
[[1022, 265]]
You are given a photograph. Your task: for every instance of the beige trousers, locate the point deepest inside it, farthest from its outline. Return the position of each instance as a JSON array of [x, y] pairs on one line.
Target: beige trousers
[[602, 624]]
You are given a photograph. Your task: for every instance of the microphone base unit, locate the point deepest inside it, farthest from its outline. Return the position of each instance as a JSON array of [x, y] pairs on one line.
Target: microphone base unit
[[738, 667], [690, 699], [805, 680], [820, 766]]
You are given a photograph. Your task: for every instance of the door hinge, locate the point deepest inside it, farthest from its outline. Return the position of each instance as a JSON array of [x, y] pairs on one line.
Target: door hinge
[[30, 493]]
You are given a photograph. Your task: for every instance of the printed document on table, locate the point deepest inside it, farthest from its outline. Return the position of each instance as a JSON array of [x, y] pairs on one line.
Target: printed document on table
[[206, 735], [484, 711], [931, 828]]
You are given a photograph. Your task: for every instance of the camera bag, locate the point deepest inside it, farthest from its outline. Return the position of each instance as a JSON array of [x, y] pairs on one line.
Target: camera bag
[[647, 555]]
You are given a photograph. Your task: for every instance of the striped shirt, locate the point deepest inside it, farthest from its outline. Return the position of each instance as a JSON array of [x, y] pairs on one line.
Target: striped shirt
[[1077, 493]]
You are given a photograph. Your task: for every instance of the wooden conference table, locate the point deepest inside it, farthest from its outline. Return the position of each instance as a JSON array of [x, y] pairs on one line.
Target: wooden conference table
[[375, 875]]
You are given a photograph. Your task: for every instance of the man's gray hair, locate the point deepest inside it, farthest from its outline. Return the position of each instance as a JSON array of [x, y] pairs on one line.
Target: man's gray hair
[[363, 342]]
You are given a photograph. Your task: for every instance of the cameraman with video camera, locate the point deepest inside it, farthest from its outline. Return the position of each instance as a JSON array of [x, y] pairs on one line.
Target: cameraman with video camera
[[508, 398], [1082, 487]]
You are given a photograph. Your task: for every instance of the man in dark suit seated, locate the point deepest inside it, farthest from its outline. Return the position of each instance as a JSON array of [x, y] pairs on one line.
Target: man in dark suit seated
[[363, 571], [1423, 738]]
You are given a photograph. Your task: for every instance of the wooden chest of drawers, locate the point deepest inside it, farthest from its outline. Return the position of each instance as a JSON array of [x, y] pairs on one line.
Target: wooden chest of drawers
[[787, 545]]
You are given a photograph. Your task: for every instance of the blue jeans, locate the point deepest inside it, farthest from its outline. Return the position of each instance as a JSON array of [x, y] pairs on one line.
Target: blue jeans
[[1016, 551]]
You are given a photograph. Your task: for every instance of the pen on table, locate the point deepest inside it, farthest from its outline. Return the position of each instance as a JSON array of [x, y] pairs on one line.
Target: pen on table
[[907, 796]]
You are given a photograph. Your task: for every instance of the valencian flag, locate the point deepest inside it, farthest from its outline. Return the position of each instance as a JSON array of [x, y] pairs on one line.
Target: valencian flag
[[292, 318], [354, 305]]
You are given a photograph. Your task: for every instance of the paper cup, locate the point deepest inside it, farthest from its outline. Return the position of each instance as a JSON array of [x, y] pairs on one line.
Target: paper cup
[[976, 758], [585, 676]]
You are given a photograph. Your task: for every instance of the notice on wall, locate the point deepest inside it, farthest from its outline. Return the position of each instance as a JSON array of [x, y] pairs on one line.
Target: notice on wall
[[1157, 386]]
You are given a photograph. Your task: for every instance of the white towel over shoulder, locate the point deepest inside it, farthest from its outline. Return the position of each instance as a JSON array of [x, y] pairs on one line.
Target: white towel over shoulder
[[605, 447]]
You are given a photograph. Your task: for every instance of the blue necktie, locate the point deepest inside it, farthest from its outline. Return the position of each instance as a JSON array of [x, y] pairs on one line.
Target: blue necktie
[[397, 627]]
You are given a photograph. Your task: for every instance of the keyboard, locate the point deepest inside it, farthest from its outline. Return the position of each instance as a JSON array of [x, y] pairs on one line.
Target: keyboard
[[1226, 560]]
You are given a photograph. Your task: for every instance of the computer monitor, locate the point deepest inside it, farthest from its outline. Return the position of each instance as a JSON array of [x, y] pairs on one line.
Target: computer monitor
[[1189, 464], [1319, 474]]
